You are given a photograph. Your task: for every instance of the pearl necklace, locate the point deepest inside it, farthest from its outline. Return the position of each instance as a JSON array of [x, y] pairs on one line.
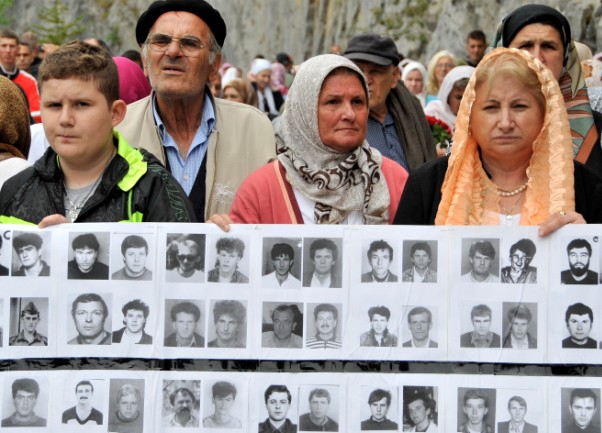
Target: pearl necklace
[[511, 193]]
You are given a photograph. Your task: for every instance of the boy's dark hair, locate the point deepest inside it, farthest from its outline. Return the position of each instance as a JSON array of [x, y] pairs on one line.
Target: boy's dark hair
[[136, 305], [276, 388], [282, 249], [381, 310], [380, 245], [323, 244], [85, 62], [223, 389], [133, 241], [477, 35], [186, 307], [27, 385], [232, 308]]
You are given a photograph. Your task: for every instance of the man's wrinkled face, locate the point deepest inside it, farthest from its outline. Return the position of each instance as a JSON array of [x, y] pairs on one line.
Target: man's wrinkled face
[[579, 261], [277, 405], [24, 403], [379, 409], [183, 403], [30, 322]]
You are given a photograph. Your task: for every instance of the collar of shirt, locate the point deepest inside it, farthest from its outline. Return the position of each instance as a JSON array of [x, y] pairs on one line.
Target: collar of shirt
[[479, 341], [185, 170], [180, 343], [519, 344], [315, 282], [428, 343], [516, 428], [37, 338]]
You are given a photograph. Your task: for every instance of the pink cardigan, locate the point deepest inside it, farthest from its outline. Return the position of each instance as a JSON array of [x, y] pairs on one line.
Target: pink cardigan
[[266, 197]]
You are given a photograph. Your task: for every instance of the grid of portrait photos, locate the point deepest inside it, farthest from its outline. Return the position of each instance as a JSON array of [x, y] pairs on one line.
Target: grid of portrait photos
[[162, 401], [263, 292]]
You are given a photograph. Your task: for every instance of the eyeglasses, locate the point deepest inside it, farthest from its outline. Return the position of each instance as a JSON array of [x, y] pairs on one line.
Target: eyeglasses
[[188, 257], [190, 46], [518, 258]]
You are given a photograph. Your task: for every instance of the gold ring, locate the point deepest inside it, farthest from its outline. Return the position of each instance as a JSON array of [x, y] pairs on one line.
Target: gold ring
[[562, 213]]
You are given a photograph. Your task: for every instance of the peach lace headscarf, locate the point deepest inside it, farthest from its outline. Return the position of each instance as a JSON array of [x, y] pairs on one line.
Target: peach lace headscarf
[[469, 197]]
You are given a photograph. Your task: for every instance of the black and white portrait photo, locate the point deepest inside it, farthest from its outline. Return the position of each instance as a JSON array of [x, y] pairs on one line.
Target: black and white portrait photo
[[419, 323], [28, 322], [87, 394], [30, 257], [228, 329], [480, 261], [580, 410], [230, 264], [481, 330], [517, 417], [379, 334], [134, 318], [126, 406], [185, 258], [132, 261], [88, 256], [520, 323], [183, 324], [278, 402], [380, 264], [420, 408], [281, 263], [579, 320], [419, 262], [476, 410], [5, 255], [90, 319], [321, 265], [318, 408], [323, 330], [282, 325], [181, 403], [25, 402], [581, 260], [382, 405], [518, 269], [222, 408]]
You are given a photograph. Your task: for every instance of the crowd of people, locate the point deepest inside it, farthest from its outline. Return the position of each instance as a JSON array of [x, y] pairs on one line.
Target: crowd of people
[[357, 136]]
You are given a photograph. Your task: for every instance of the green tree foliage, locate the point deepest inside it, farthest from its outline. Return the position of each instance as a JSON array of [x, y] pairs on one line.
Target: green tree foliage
[[54, 27], [5, 5], [409, 23]]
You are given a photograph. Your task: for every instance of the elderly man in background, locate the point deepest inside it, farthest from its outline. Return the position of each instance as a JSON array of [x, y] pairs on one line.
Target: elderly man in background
[[210, 145], [397, 126]]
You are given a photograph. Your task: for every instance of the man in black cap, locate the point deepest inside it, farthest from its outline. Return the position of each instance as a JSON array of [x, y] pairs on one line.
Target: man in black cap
[[397, 126], [209, 145]]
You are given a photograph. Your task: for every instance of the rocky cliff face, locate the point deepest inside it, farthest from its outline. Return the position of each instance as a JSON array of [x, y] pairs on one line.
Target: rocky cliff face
[[304, 28]]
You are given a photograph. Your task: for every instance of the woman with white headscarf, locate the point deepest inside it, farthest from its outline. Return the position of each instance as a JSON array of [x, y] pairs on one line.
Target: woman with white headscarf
[[326, 172], [414, 77], [269, 100], [445, 108]]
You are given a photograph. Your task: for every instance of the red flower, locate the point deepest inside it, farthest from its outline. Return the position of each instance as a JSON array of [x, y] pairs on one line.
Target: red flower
[[440, 130]]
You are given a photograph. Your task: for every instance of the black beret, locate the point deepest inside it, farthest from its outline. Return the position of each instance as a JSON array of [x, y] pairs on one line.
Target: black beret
[[200, 8]]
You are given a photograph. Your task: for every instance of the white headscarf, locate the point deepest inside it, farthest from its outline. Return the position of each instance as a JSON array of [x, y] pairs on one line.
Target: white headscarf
[[265, 98], [337, 182], [440, 108], [415, 66]]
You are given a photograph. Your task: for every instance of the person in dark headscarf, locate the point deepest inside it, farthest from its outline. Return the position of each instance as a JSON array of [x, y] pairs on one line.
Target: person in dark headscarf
[[546, 34], [14, 130]]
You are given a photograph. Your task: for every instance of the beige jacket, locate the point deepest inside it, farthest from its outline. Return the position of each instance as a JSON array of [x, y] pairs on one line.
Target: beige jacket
[[242, 140]]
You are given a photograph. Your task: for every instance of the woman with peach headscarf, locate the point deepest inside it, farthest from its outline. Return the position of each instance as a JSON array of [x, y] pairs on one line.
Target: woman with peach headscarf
[[512, 160]]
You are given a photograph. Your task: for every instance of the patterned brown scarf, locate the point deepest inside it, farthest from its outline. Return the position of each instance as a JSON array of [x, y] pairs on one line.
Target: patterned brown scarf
[[338, 183]]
